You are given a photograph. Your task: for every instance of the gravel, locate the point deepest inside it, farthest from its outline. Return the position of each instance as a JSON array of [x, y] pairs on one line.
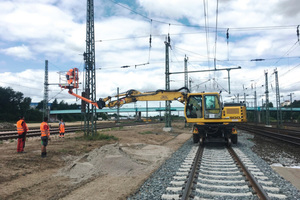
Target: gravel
[[156, 185], [261, 152]]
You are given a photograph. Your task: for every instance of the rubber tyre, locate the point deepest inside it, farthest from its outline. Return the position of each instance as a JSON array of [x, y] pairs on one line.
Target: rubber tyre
[[196, 138], [234, 139]]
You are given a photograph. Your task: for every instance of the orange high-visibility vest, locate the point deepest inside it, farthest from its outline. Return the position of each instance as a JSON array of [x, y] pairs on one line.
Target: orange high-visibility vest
[[43, 131], [20, 127], [62, 128], [70, 74]]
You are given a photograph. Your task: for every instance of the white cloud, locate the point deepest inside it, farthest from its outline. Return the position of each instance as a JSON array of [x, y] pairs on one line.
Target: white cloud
[[55, 30], [19, 52]]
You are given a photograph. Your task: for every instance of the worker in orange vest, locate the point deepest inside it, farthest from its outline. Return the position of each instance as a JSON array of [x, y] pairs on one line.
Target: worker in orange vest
[[70, 76], [22, 130], [45, 136], [61, 128]]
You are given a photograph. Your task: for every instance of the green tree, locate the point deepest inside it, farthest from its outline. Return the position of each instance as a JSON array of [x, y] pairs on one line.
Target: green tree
[[12, 104], [62, 105], [54, 105], [40, 105]]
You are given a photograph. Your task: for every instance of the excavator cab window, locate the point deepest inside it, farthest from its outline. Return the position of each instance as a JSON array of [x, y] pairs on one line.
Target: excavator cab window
[[212, 107], [194, 107]]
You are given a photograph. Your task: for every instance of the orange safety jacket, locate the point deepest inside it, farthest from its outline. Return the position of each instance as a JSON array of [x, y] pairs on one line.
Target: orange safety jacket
[[20, 128], [70, 76], [61, 127], [43, 130]]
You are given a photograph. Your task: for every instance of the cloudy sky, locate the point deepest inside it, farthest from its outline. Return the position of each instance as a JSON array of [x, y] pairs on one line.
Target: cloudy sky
[[32, 31]]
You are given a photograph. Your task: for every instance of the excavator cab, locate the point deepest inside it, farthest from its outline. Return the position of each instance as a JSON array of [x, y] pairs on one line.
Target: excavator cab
[[201, 106], [212, 108]]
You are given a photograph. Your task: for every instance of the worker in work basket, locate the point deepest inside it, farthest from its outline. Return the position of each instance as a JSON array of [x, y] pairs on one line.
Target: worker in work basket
[[70, 76], [72, 79]]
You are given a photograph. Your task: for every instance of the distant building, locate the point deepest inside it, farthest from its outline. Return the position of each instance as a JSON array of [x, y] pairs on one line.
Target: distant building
[[34, 104], [285, 103]]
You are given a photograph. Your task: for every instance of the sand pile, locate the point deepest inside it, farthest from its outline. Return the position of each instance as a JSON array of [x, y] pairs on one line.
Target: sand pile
[[116, 160]]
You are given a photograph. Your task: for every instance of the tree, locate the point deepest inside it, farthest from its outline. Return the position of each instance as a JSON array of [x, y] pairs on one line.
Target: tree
[[65, 106], [271, 105], [55, 105], [12, 104], [40, 105]]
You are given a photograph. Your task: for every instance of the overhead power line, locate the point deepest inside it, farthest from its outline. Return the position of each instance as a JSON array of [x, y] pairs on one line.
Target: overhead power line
[[198, 26], [216, 34]]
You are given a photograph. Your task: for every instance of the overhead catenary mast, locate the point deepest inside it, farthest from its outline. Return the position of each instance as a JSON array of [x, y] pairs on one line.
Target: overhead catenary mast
[[186, 79], [267, 99], [90, 73], [46, 92], [168, 126]]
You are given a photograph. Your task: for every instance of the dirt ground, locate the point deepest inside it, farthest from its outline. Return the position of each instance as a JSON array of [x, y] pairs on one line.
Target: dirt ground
[[80, 169]]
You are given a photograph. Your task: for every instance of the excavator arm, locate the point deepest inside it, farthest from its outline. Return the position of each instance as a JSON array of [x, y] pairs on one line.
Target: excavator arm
[[84, 99], [134, 95]]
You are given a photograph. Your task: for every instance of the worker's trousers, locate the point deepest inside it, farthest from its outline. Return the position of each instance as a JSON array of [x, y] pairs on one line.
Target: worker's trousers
[[21, 144]]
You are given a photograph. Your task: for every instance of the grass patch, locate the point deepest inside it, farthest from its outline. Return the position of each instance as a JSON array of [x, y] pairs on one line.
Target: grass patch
[[97, 136], [146, 132]]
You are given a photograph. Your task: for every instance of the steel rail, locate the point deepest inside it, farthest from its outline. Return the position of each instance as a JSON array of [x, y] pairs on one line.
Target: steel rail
[[273, 129], [271, 133], [192, 175], [36, 132], [255, 185]]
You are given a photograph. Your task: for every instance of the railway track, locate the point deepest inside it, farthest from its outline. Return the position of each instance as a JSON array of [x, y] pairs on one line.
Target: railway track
[[289, 136], [6, 135], [222, 173]]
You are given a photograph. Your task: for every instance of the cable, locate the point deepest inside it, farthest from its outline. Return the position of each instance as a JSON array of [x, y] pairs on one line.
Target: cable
[[20, 85], [220, 86], [206, 32], [216, 35], [288, 52], [130, 9], [184, 50], [175, 56], [290, 70], [185, 25], [55, 95]]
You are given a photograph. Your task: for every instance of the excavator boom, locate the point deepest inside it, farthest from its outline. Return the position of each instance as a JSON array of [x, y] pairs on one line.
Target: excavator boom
[[134, 95]]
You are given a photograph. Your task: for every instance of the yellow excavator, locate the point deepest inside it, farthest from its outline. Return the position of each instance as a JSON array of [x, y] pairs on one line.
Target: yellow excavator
[[212, 120]]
